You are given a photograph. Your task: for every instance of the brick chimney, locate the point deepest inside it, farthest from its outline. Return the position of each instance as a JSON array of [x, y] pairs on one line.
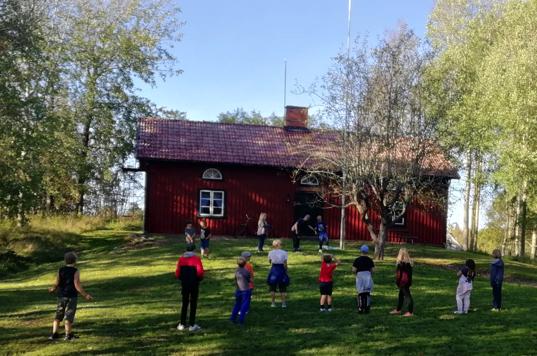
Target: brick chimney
[[296, 117]]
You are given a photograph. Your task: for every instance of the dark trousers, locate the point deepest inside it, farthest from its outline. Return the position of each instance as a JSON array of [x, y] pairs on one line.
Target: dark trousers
[[405, 298], [190, 294], [497, 296], [261, 242], [242, 305], [364, 302], [296, 242]]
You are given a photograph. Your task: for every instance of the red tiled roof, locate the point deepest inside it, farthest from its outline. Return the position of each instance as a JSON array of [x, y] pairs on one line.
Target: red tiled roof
[[258, 145]]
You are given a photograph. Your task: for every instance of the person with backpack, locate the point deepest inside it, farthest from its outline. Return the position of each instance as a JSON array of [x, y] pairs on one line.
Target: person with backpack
[[403, 279]]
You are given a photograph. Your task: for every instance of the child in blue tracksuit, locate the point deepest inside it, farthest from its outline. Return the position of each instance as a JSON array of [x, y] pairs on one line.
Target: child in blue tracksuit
[[243, 293], [322, 232], [496, 280]]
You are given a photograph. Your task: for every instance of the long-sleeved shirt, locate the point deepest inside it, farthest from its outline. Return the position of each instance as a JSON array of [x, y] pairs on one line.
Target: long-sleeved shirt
[[496, 272], [189, 268]]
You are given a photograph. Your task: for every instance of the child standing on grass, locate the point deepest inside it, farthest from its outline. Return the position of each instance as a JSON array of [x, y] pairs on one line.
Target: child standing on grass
[[205, 236], [496, 280], [403, 279], [189, 270], [190, 234], [278, 277], [68, 286], [328, 264], [247, 255], [322, 233], [363, 267], [243, 293], [464, 288]]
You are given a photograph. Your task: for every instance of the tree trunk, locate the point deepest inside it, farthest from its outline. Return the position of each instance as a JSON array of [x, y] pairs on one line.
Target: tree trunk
[[507, 232], [475, 215], [517, 225], [466, 211], [380, 243], [533, 243], [523, 222]]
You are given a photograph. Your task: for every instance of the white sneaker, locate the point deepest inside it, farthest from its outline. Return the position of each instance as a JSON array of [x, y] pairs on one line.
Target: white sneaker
[[273, 305], [194, 327], [329, 309], [284, 305], [180, 327], [320, 251], [322, 309]]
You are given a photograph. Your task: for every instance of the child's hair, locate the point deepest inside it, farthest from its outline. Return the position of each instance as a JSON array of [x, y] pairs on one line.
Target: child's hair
[[70, 258], [203, 223], [327, 258], [241, 261], [470, 264], [190, 247], [403, 256], [262, 217], [188, 223], [277, 243], [246, 255], [319, 218], [497, 253]]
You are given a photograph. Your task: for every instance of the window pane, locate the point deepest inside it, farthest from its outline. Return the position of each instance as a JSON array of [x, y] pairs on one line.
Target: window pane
[[217, 211], [205, 194], [217, 203], [205, 210], [218, 195], [205, 202]]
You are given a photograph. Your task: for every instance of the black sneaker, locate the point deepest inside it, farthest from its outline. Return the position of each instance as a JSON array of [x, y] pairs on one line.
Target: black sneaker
[[54, 336], [70, 337]]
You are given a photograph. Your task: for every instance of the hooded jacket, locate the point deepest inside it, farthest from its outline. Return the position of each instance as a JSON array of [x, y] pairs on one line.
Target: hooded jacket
[[189, 268], [496, 272]]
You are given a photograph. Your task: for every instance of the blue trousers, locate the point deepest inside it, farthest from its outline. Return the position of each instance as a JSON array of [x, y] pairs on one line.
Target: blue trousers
[[497, 296], [242, 305]]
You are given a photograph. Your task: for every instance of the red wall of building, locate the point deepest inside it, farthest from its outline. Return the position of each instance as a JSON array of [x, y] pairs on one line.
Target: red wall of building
[[172, 194]]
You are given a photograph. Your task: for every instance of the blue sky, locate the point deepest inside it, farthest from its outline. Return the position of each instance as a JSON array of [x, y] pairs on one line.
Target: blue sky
[[233, 51]]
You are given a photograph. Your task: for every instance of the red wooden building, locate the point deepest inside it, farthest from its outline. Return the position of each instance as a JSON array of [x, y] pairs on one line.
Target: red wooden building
[[221, 172]]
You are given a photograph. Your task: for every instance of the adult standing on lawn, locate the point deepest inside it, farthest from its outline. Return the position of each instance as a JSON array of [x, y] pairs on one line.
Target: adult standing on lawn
[[278, 278], [262, 230], [403, 279], [189, 270], [299, 229]]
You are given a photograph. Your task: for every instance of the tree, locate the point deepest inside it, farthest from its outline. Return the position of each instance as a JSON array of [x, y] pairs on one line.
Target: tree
[[241, 116], [385, 147], [105, 46], [25, 90], [487, 103]]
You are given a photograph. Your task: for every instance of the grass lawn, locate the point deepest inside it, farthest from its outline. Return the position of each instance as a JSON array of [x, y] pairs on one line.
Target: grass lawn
[[137, 302]]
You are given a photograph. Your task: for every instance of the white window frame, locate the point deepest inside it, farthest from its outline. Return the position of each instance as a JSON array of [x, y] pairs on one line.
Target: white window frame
[[212, 174], [309, 180], [211, 205]]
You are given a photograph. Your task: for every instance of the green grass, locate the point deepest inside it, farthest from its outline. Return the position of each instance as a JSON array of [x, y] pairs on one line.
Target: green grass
[[137, 304]]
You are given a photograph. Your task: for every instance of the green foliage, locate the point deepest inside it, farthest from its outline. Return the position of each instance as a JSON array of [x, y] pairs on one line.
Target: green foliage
[[137, 303], [68, 96], [241, 116]]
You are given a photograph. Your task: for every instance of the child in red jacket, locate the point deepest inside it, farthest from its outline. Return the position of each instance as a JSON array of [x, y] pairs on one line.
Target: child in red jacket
[[189, 270]]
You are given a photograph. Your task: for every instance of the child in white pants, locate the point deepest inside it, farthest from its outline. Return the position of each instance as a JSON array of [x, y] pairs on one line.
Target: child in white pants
[[464, 289]]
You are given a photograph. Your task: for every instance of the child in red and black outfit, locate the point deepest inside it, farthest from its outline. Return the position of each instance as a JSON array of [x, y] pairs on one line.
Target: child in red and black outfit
[[189, 270], [328, 265], [403, 279]]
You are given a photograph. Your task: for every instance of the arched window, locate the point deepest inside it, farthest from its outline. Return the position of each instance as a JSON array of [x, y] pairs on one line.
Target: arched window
[[309, 180], [212, 174]]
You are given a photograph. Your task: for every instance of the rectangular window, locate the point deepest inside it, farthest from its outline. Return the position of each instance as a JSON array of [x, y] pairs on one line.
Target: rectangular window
[[211, 203]]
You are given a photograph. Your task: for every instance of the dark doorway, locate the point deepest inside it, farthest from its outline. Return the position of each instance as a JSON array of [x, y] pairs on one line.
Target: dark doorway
[[308, 203]]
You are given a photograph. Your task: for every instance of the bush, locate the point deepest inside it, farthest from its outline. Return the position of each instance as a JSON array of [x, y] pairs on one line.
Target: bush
[[10, 262]]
